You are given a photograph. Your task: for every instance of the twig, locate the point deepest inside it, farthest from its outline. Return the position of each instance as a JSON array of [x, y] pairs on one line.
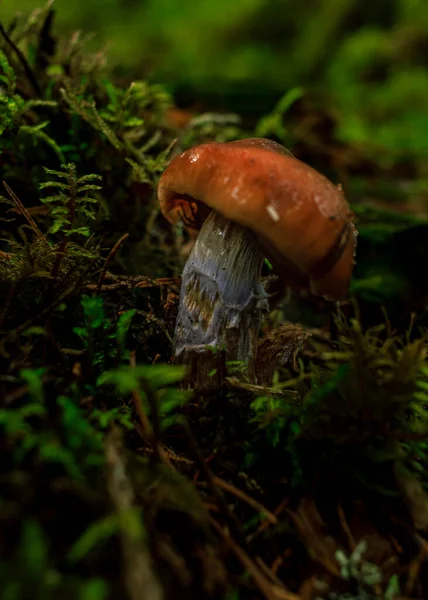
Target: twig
[[28, 71], [94, 287], [24, 212], [320, 334], [20, 392], [346, 528], [233, 382], [161, 281], [265, 523], [175, 459], [241, 495], [269, 590], [131, 282], [269, 572], [109, 258]]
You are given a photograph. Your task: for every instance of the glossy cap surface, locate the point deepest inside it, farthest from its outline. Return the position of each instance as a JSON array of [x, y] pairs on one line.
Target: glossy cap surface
[[302, 220]]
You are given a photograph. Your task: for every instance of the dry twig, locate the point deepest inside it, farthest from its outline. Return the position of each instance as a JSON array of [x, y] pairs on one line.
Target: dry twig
[[109, 258], [24, 212], [241, 495], [269, 590]]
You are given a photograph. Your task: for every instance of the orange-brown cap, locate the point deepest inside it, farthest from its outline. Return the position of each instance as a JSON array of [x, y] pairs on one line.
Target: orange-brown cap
[[302, 221]]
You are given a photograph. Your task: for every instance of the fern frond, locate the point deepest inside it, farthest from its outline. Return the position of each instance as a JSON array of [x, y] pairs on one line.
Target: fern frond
[[71, 206]]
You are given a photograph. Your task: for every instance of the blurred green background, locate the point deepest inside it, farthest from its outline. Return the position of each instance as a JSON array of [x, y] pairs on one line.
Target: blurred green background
[[367, 57], [342, 83]]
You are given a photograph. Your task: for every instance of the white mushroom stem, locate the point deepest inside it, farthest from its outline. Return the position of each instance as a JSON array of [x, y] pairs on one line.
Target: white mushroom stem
[[221, 300]]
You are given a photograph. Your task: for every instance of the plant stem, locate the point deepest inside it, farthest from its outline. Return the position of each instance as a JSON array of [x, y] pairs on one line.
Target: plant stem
[[71, 179], [221, 302]]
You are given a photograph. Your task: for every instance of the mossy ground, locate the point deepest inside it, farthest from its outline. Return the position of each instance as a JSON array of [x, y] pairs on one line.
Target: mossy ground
[[116, 483]]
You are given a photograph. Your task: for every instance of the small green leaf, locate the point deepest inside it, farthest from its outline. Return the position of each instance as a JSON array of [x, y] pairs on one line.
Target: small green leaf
[[123, 324], [96, 534], [33, 378]]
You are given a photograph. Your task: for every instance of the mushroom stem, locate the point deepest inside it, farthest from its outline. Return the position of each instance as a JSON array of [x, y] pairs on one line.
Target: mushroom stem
[[221, 302]]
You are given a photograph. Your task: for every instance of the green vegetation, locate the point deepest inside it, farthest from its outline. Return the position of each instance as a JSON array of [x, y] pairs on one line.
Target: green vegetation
[[117, 483]]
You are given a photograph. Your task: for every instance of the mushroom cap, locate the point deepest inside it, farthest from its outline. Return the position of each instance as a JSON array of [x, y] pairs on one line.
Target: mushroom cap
[[301, 220]]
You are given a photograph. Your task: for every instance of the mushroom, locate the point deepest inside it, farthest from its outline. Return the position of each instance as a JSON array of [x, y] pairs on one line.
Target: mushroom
[[246, 200]]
